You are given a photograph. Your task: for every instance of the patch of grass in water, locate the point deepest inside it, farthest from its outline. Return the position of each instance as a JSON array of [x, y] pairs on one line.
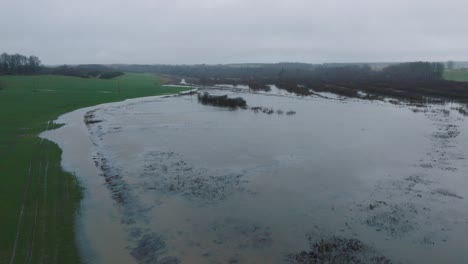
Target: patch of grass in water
[[222, 101]]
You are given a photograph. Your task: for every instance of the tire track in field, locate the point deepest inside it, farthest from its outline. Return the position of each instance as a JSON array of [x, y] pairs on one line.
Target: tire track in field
[[43, 153], [36, 212], [44, 207], [20, 220]]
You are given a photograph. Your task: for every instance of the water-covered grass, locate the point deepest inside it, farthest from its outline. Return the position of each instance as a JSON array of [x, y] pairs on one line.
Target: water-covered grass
[[38, 200]]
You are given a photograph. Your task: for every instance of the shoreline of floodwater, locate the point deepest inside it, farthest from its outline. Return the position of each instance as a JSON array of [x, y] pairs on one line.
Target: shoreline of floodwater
[[77, 151]]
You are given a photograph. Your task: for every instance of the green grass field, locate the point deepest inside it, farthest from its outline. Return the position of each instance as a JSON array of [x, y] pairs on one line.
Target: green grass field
[[456, 75], [38, 200]]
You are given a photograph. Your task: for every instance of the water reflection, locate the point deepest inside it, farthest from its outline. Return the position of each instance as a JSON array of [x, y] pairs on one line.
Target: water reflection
[[202, 184]]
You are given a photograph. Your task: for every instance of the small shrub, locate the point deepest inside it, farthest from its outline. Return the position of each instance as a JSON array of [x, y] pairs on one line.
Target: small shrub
[[222, 100]]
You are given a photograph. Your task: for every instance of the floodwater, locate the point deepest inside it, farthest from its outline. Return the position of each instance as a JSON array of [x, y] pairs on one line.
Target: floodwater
[[169, 180]]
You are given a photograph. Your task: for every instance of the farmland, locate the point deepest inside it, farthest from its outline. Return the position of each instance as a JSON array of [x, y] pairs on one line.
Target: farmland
[[456, 75], [38, 200]]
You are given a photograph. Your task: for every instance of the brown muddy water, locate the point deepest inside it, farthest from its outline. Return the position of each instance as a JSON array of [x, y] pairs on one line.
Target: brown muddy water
[[168, 180]]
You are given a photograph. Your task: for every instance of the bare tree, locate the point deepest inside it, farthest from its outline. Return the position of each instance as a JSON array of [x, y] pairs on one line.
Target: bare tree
[[4, 62], [19, 64], [34, 64]]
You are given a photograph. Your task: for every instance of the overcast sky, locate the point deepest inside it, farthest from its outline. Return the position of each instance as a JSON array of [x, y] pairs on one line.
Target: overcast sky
[[232, 31]]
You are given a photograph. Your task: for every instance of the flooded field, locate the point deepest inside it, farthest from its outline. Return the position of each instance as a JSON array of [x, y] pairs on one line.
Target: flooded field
[[308, 180]]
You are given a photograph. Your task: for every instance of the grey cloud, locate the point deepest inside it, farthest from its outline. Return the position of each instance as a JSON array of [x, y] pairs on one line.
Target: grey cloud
[[209, 31]]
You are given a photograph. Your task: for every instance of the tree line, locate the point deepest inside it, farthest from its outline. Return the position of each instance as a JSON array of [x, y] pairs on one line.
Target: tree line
[[294, 72], [84, 71], [255, 75], [19, 64]]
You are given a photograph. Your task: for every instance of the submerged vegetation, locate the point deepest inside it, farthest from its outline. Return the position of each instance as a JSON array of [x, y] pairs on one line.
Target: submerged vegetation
[[293, 88], [463, 110], [414, 81], [269, 111], [417, 91], [221, 100], [338, 250], [258, 86]]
